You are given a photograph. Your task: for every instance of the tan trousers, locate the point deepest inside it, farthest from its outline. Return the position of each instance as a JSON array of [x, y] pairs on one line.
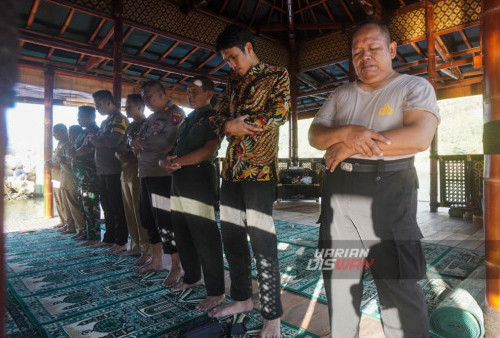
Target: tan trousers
[[59, 199], [138, 235], [73, 209]]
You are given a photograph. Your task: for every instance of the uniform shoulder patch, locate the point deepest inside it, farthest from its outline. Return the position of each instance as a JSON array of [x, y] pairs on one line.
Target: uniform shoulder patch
[[176, 118]]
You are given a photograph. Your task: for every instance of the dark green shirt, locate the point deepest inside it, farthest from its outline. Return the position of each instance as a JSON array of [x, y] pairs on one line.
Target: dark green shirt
[[195, 132]]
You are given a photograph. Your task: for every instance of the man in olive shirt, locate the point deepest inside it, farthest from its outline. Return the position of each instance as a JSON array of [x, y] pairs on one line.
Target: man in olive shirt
[[111, 134], [193, 197]]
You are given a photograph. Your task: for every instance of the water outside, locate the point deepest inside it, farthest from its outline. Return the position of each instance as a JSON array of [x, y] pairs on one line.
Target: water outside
[[23, 209]]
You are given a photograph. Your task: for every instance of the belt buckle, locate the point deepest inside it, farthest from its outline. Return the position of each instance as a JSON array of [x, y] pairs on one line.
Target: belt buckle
[[346, 166]]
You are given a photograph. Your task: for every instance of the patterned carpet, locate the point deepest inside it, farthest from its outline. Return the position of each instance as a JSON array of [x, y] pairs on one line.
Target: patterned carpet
[[297, 243], [57, 289]]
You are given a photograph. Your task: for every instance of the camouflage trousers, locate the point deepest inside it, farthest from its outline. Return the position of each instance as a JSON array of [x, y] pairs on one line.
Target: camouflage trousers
[[91, 212]]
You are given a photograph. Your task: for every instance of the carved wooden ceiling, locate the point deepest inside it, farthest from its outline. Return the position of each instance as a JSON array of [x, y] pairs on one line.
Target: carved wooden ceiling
[[173, 41]]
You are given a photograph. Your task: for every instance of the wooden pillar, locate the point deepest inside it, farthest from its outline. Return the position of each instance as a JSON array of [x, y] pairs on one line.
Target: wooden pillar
[[491, 95], [8, 77], [431, 70], [352, 71], [117, 52], [293, 143], [48, 209]]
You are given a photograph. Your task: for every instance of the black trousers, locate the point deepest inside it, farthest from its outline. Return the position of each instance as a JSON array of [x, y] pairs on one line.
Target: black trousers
[[374, 212], [154, 208], [246, 210], [110, 191], [196, 233]]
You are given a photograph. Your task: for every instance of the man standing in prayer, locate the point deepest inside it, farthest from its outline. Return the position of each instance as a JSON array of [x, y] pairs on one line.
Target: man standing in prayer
[[139, 244], [371, 129], [193, 197], [84, 171], [156, 140], [110, 136], [254, 105]]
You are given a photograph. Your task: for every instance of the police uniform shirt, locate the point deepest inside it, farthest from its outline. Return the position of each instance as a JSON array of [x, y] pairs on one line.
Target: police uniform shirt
[[157, 136], [380, 110], [112, 134]]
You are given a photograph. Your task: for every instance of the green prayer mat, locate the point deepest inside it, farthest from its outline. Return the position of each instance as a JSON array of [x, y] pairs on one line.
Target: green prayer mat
[[58, 289], [446, 268]]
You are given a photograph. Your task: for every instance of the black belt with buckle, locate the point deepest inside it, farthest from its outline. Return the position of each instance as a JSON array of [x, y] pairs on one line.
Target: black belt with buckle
[[372, 166]]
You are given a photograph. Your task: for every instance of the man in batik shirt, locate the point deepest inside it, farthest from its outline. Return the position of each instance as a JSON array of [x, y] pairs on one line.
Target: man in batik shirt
[[255, 103]]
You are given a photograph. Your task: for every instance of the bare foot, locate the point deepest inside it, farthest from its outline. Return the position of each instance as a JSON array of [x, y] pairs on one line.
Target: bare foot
[[60, 225], [151, 266], [173, 278], [68, 232], [183, 286], [62, 229], [210, 302], [144, 259], [116, 249], [101, 244], [130, 253], [89, 243], [271, 329], [79, 237], [232, 308]]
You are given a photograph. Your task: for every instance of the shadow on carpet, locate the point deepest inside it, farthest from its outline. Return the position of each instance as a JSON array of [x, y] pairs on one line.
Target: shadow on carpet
[[447, 267], [58, 289]]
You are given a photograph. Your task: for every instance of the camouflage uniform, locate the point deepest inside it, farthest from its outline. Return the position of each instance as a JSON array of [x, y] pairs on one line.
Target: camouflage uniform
[[84, 172]]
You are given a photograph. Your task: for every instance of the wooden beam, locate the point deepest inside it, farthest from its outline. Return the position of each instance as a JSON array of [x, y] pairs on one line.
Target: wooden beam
[[273, 6], [444, 52], [464, 37], [98, 28], [301, 78], [223, 7], [207, 60], [311, 10], [305, 8], [187, 56], [216, 68], [67, 21], [83, 48], [491, 181], [347, 11], [169, 50], [240, 8], [147, 44], [327, 9], [31, 17], [302, 26], [460, 83], [256, 8]]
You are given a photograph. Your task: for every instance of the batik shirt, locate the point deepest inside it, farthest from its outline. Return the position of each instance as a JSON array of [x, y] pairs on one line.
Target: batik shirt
[[112, 134], [194, 132], [84, 170], [264, 94], [157, 136], [129, 167]]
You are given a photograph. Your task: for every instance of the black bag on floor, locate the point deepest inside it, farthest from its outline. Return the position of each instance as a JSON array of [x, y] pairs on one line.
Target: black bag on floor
[[206, 327]]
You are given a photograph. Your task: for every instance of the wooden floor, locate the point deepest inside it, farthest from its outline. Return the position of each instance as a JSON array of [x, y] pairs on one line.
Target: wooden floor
[[309, 314]]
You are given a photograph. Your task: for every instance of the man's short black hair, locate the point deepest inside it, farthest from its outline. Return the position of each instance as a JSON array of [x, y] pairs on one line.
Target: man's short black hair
[[75, 129], [153, 84], [381, 25], [87, 111], [60, 127], [104, 95], [136, 98], [206, 83], [233, 36]]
